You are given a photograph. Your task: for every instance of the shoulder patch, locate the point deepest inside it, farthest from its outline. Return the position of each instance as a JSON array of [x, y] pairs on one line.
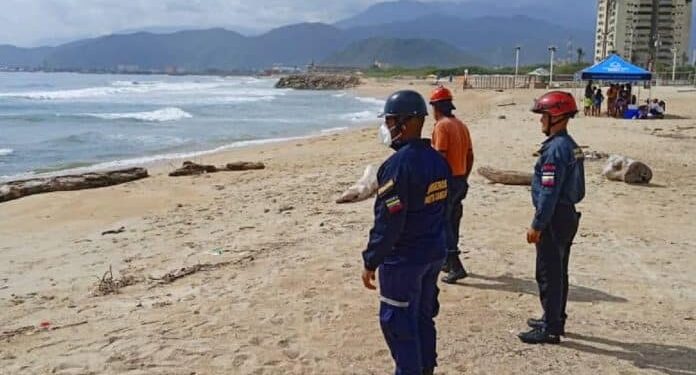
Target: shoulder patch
[[394, 205], [548, 175], [385, 188]]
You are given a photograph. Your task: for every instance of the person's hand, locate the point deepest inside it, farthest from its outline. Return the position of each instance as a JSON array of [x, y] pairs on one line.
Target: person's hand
[[368, 277], [533, 236]]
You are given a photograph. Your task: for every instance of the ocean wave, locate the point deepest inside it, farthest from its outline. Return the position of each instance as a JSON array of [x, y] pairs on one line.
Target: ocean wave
[[361, 116], [367, 100], [160, 115], [339, 95], [6, 151], [334, 130], [147, 160], [116, 88]]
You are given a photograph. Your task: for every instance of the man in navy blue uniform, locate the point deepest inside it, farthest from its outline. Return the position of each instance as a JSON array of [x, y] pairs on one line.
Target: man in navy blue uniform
[[558, 184], [407, 242]]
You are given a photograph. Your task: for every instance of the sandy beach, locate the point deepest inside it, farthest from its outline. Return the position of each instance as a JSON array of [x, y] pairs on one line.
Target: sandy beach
[[279, 290]]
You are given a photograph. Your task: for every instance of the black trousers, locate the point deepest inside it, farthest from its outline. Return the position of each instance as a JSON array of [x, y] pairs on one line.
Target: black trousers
[[457, 191], [553, 254]]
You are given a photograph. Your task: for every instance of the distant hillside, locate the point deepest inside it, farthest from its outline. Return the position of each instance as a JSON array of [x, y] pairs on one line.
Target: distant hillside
[[572, 14], [409, 53], [485, 38], [480, 39], [14, 56]]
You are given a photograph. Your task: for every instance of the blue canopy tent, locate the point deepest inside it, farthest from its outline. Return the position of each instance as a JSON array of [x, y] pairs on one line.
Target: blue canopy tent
[[614, 68]]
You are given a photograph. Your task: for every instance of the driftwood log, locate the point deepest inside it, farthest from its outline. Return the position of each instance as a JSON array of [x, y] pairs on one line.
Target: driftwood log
[[363, 189], [190, 168], [18, 189], [622, 168], [506, 177]]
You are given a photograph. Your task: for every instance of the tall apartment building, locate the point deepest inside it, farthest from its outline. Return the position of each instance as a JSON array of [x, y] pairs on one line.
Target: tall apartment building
[[646, 32]]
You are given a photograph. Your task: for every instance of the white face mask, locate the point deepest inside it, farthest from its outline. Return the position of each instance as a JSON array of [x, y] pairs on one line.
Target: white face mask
[[385, 135]]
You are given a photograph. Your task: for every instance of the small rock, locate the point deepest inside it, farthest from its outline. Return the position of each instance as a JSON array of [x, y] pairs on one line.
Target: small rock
[[502, 117]]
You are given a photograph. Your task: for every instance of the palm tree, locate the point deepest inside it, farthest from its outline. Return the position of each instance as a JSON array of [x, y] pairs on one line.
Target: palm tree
[[581, 54]]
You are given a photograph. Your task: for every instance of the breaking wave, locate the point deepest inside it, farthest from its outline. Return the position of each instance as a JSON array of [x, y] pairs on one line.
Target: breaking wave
[[160, 115]]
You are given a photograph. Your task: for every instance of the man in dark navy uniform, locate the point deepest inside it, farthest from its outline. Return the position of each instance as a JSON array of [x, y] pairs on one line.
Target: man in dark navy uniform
[[407, 242], [558, 184]]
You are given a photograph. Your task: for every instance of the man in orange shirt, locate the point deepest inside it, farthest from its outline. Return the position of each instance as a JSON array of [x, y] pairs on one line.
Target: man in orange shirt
[[452, 139]]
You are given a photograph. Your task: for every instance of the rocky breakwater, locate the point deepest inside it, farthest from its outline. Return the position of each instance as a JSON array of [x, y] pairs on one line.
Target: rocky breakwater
[[318, 82]]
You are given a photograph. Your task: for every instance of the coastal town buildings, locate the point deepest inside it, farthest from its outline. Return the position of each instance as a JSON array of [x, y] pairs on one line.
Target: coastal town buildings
[[650, 33]]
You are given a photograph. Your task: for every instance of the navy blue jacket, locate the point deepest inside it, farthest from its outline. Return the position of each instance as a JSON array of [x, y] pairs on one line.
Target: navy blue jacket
[[559, 177], [410, 208]]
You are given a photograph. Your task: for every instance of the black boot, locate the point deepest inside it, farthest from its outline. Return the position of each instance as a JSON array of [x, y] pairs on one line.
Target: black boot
[[446, 265], [456, 270], [536, 323], [428, 371], [539, 336], [540, 323]]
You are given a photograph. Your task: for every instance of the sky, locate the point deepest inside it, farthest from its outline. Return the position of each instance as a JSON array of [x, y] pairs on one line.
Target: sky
[[29, 23]]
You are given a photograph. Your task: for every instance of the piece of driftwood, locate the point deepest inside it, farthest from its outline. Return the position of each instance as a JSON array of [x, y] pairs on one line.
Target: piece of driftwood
[[506, 177], [622, 168], [244, 166], [365, 188], [190, 168], [18, 189]]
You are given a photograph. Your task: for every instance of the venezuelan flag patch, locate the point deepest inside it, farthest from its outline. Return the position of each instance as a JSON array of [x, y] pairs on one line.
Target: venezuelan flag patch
[[548, 175], [394, 205]]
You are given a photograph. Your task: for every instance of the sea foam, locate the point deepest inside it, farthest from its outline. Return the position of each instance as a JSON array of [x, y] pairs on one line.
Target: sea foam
[[160, 115]]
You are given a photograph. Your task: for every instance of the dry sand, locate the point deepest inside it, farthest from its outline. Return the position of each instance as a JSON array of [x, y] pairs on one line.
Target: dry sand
[[284, 295]]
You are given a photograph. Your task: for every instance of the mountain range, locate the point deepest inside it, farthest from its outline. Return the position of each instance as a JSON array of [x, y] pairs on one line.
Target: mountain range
[[403, 33]]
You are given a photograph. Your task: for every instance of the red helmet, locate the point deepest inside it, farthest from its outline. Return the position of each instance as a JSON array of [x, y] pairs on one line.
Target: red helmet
[[440, 94], [556, 103]]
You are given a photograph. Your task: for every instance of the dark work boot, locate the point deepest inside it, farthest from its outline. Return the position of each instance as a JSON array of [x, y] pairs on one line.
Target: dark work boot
[[539, 336], [456, 270], [540, 323], [535, 323], [446, 265], [428, 371]]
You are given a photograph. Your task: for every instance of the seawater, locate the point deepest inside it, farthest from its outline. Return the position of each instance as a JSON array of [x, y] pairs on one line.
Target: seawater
[[53, 122]]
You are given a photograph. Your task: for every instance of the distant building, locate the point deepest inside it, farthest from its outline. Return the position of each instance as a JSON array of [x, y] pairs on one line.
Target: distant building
[[646, 32]]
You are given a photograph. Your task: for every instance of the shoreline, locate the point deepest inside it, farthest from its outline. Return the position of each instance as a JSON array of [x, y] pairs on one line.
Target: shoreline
[[158, 161]]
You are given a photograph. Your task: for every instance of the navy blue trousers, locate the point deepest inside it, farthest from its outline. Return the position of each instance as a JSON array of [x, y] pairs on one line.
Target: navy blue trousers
[[457, 190], [553, 255], [408, 304]]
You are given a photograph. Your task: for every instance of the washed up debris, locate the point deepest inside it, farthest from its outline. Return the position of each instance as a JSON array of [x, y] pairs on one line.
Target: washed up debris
[[244, 166], [507, 104], [115, 231], [108, 285], [32, 330], [22, 188], [506, 177], [622, 168], [596, 155], [365, 188], [502, 117], [190, 168], [182, 272]]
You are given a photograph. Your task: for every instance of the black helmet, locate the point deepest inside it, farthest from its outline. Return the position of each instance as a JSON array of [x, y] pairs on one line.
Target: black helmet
[[405, 103]]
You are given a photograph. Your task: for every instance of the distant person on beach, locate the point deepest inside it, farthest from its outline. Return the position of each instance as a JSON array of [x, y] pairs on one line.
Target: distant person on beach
[[597, 105], [452, 139], [612, 94], [557, 185], [407, 242]]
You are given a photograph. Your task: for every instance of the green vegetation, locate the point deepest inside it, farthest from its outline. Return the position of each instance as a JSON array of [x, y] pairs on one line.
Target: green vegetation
[[459, 71]]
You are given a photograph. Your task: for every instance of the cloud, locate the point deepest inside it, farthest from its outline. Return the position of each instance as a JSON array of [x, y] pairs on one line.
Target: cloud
[[31, 21]]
